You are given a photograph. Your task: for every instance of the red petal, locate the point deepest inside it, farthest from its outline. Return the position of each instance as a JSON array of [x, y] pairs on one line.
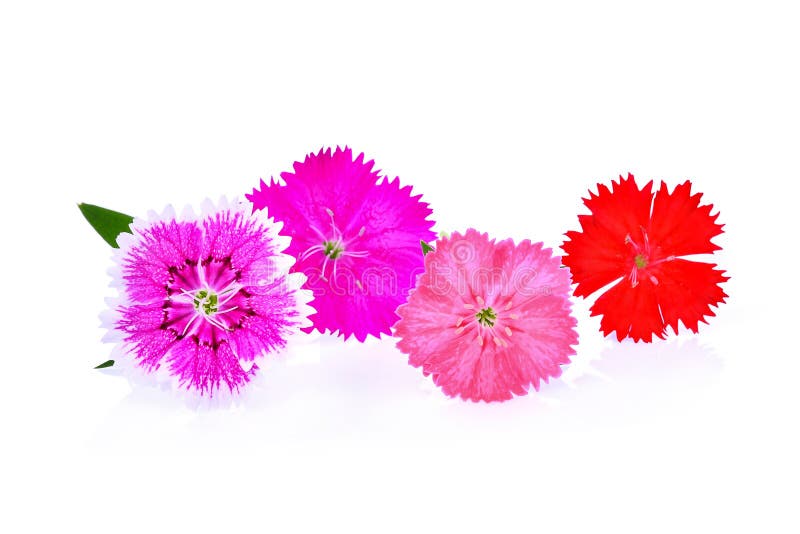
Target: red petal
[[686, 290], [596, 256], [623, 210], [683, 290], [630, 311], [679, 225]]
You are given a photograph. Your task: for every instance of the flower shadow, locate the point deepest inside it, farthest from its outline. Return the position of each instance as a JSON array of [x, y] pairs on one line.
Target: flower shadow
[[621, 384], [321, 388], [331, 390], [632, 382]]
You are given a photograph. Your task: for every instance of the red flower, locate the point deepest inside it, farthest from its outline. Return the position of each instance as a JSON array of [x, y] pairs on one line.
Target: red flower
[[637, 238]]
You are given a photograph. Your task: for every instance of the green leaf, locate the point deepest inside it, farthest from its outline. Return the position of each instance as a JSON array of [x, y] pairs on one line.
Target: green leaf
[[105, 364], [426, 248], [109, 224]]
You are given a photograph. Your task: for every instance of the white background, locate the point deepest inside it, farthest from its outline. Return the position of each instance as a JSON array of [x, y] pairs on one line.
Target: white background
[[503, 115]]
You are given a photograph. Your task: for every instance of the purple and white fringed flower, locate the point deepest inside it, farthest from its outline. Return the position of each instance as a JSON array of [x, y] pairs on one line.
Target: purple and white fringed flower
[[201, 298]]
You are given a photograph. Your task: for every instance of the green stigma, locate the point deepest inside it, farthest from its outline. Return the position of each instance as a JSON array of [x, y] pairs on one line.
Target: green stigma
[[333, 249], [486, 317], [206, 302], [640, 261]]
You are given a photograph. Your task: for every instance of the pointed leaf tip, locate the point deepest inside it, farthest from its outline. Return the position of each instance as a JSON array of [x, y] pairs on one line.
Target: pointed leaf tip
[[108, 363], [109, 224], [426, 248]]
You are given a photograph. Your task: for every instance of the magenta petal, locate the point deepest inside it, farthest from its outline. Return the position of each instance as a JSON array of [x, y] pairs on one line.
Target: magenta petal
[[160, 246], [142, 326], [206, 367], [205, 294], [377, 226]]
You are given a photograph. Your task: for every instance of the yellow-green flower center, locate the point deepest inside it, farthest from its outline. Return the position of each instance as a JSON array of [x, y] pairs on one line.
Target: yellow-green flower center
[[333, 249], [486, 316], [641, 261], [206, 302]]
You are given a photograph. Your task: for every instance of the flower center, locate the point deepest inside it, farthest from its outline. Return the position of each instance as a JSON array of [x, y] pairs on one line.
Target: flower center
[[488, 324], [643, 257], [333, 249], [206, 302], [486, 316]]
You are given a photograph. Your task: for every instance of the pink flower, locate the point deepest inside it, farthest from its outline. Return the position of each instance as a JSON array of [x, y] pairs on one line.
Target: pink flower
[[202, 298], [357, 239], [488, 319]]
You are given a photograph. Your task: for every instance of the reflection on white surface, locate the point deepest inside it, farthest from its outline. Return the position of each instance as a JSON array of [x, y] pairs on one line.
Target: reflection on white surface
[[630, 382], [330, 390]]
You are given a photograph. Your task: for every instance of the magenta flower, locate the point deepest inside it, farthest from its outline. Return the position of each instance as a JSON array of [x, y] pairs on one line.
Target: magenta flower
[[202, 298], [356, 239], [488, 319]]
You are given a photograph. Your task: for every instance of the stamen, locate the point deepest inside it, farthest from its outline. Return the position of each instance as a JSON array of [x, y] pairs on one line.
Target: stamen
[[228, 298], [232, 287], [318, 232], [508, 331], [355, 253], [668, 258], [311, 251], [634, 279], [201, 273], [186, 329], [218, 324], [324, 265], [631, 242], [184, 294], [337, 235]]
